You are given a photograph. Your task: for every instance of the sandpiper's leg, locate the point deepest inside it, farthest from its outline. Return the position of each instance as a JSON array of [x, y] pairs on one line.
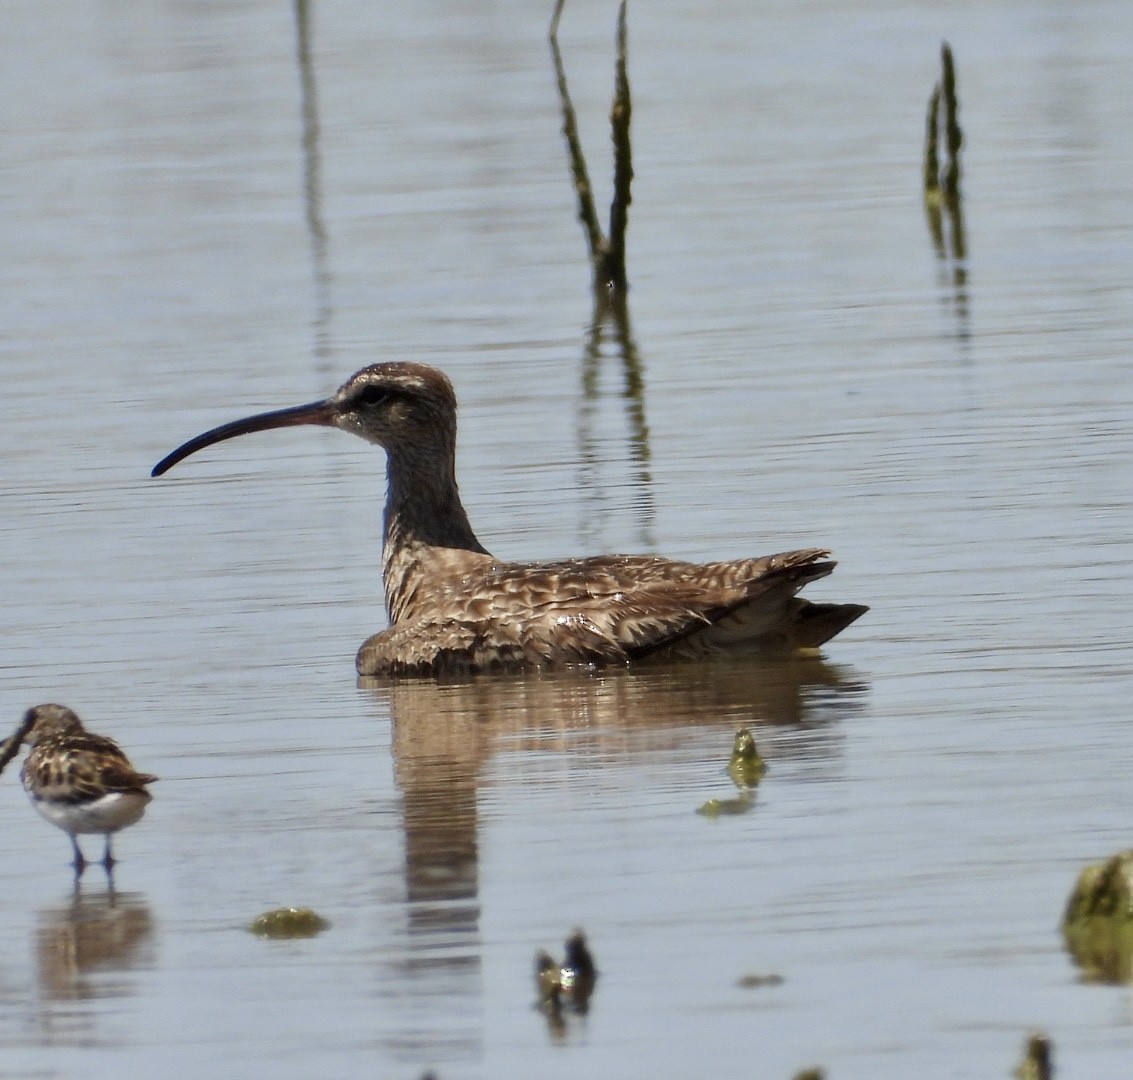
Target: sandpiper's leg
[[79, 863], [108, 859]]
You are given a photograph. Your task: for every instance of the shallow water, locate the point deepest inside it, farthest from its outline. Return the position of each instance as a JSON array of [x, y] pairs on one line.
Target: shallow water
[[196, 231]]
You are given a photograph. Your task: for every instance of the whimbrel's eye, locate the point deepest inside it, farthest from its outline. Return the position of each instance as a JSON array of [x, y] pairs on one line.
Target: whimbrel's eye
[[372, 395]]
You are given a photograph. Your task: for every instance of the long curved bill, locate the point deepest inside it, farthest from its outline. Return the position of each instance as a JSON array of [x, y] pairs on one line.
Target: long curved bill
[[317, 412]]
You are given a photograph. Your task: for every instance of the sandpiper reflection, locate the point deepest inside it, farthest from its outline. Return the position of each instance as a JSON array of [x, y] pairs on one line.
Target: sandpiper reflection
[[86, 949]]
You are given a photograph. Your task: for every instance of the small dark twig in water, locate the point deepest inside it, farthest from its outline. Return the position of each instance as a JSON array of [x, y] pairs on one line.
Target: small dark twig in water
[[943, 182], [942, 198], [1037, 1063]]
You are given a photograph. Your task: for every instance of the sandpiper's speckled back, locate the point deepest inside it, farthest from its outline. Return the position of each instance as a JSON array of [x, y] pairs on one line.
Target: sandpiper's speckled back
[[78, 781]]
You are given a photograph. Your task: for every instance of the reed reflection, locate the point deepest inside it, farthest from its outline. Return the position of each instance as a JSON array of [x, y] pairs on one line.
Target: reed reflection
[[86, 950], [611, 321], [610, 316]]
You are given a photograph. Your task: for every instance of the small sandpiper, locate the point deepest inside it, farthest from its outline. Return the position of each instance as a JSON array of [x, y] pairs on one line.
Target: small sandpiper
[[80, 782]]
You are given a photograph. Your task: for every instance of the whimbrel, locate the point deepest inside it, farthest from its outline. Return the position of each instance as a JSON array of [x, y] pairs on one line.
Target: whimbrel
[[79, 781], [453, 607]]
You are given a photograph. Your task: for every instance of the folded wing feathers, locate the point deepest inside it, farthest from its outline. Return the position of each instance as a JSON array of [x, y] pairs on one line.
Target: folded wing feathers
[[93, 767], [599, 611]]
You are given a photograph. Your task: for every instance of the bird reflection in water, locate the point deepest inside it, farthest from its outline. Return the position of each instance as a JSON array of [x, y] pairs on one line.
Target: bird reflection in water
[[85, 951], [444, 734]]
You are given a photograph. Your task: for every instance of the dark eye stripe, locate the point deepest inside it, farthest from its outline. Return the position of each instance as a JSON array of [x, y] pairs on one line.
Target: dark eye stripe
[[373, 395]]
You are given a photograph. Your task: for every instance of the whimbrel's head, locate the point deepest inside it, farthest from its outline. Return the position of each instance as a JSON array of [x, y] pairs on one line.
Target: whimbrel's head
[[39, 722], [396, 405]]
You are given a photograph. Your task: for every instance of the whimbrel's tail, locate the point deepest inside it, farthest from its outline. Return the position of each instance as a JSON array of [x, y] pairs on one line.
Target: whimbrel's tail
[[815, 624]]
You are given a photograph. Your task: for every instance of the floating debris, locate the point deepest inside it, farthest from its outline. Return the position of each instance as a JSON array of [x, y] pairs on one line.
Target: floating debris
[[746, 767], [943, 203], [715, 808], [571, 982], [811, 1074], [578, 972], [755, 982], [548, 981], [1098, 922], [1036, 1063], [288, 922]]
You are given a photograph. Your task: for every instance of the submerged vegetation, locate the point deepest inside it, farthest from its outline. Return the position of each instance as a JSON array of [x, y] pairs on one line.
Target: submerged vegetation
[[1098, 922], [942, 199], [746, 767], [288, 923], [1036, 1063], [567, 986]]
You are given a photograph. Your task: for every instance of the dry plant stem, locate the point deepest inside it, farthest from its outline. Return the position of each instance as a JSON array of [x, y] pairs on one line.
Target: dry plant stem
[[936, 179], [620, 115], [555, 16], [954, 137], [587, 213], [607, 254]]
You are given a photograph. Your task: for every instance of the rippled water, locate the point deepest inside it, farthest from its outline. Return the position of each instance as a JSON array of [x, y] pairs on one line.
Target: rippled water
[[198, 226]]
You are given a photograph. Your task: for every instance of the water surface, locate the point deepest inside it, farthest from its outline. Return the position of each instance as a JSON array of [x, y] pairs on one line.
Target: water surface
[[196, 228]]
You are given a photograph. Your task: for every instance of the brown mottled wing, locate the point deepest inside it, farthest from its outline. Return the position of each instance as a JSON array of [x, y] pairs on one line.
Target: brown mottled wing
[[446, 645], [637, 605], [520, 623], [608, 574], [589, 611], [89, 765]]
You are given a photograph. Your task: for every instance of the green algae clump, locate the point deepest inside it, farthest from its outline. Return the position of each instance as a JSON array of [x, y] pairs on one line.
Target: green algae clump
[[1098, 923], [715, 808], [745, 767], [1037, 1061], [288, 922]]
